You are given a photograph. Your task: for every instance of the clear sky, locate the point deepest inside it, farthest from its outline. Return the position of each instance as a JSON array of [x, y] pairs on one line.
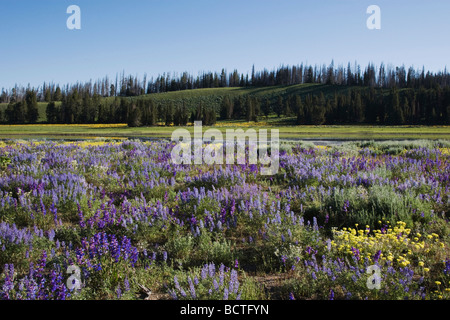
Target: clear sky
[[156, 36]]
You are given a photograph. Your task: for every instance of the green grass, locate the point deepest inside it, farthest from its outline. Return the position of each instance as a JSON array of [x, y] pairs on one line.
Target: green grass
[[286, 132], [213, 97], [301, 89]]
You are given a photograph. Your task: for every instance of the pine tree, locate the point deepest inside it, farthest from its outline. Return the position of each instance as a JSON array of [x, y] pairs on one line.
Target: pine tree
[[57, 96], [212, 117], [256, 108], [169, 114], [266, 107], [102, 112], [20, 111], [200, 112], [226, 108], [406, 110], [396, 113], [10, 113], [278, 108], [31, 109], [287, 108], [358, 108], [300, 110], [238, 107], [250, 109], [317, 111], [47, 95], [177, 117], [228, 104], [134, 117], [52, 112]]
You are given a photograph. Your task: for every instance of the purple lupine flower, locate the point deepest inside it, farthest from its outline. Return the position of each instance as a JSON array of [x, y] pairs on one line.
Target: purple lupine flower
[[173, 294], [192, 288], [447, 267], [81, 217], [346, 206], [216, 285], [126, 284], [212, 270], [356, 253], [377, 256], [234, 282], [225, 294], [221, 274], [204, 272], [177, 284], [331, 294]]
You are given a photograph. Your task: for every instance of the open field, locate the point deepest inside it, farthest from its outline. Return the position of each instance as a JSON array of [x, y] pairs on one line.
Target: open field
[[129, 222], [287, 132]]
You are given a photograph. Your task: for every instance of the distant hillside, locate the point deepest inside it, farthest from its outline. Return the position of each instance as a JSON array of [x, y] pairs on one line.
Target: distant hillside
[[213, 97], [302, 104]]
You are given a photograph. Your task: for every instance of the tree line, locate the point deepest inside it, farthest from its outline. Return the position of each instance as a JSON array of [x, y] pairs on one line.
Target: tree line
[[383, 76], [356, 106], [372, 97], [375, 106], [75, 108]]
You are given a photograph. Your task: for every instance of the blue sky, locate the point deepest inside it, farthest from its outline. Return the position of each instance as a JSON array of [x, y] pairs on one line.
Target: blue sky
[[156, 36]]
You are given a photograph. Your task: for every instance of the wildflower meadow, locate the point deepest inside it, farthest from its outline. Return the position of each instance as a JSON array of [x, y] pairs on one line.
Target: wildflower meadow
[[108, 219]]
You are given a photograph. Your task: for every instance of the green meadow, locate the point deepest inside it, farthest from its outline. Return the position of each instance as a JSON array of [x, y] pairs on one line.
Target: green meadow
[[285, 131]]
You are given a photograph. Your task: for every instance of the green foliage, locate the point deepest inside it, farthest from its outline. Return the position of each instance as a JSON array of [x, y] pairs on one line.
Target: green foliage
[[4, 161]]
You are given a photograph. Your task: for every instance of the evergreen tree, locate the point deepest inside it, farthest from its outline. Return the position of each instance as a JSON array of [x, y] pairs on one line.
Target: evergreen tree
[[406, 110], [57, 96], [169, 114], [250, 109], [287, 108], [52, 112], [238, 107], [300, 110], [102, 113], [358, 108], [31, 106], [256, 108], [316, 111], [200, 112], [122, 111], [212, 117], [226, 108], [395, 112], [10, 113], [278, 108], [134, 116], [47, 95]]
